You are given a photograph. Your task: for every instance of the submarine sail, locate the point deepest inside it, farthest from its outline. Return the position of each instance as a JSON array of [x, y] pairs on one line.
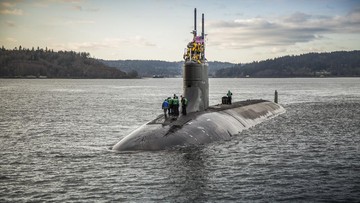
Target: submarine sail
[[195, 72]]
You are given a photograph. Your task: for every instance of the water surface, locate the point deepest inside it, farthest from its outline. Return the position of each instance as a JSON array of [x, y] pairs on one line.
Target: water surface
[[55, 137]]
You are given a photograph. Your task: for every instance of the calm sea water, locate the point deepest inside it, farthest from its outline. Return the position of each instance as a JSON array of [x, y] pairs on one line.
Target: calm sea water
[[56, 135]]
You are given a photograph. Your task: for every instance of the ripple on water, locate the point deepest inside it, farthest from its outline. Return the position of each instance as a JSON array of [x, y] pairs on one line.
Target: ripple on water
[[57, 148]]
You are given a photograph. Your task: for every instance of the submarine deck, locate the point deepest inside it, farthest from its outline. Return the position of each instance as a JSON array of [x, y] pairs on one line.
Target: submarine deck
[[181, 120]]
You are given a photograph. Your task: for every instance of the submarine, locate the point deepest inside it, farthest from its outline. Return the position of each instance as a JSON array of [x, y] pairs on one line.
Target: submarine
[[202, 124]]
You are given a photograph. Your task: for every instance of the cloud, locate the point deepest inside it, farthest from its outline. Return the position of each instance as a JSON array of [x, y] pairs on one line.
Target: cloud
[[79, 22], [78, 7], [8, 8], [10, 39], [284, 31], [276, 50], [8, 4], [141, 42], [92, 9], [117, 43], [352, 19], [81, 8], [10, 24], [298, 17], [15, 11], [71, 1]]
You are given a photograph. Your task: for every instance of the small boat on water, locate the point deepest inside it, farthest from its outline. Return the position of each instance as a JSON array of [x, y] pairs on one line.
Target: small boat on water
[[158, 76]]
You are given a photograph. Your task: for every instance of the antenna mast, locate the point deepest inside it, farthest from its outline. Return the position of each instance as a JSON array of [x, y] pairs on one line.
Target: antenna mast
[[203, 35], [194, 31]]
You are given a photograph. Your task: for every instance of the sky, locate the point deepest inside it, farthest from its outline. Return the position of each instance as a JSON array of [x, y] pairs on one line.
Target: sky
[[238, 31]]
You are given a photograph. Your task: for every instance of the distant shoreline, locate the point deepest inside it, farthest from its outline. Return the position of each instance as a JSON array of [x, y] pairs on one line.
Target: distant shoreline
[[47, 78]]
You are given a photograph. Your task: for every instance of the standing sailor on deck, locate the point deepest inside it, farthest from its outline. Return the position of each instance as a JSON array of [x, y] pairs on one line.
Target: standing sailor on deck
[[175, 104], [170, 109], [165, 107], [184, 103], [229, 94]]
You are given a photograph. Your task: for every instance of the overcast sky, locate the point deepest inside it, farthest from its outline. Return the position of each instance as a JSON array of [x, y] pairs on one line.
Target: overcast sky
[[237, 30]]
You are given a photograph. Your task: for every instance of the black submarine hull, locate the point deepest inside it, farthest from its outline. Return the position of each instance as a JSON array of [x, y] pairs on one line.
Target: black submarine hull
[[220, 122]]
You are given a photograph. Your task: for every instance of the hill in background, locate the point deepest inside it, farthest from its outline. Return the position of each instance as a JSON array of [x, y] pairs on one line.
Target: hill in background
[[21, 62], [333, 64], [148, 68]]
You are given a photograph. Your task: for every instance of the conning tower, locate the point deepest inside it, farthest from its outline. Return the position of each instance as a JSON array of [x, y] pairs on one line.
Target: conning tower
[[195, 72]]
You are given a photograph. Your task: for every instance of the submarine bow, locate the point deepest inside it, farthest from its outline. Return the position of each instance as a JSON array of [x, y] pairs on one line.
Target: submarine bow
[[203, 124], [217, 123]]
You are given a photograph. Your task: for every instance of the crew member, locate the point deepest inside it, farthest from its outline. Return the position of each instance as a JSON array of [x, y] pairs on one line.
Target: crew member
[[170, 111], [165, 107], [184, 103], [175, 104], [229, 94]]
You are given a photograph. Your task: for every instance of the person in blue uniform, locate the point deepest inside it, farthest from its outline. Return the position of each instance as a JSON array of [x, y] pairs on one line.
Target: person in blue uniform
[[165, 107]]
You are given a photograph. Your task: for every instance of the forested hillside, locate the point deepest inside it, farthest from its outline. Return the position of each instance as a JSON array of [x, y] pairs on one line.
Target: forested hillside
[[334, 64], [22, 62], [148, 68]]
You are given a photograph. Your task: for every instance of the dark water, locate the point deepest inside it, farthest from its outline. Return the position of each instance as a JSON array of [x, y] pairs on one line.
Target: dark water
[[55, 137]]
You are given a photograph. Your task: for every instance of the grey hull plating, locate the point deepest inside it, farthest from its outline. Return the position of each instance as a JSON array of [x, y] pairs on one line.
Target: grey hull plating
[[219, 122]]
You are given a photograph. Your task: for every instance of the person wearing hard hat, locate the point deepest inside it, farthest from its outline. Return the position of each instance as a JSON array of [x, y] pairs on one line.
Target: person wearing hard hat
[[229, 94]]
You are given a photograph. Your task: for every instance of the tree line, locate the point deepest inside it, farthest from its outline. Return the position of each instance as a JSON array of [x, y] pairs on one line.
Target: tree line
[[148, 68], [333, 64], [23, 62]]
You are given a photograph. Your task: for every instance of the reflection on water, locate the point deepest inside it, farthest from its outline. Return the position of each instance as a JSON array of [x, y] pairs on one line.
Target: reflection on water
[[56, 134], [189, 175]]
